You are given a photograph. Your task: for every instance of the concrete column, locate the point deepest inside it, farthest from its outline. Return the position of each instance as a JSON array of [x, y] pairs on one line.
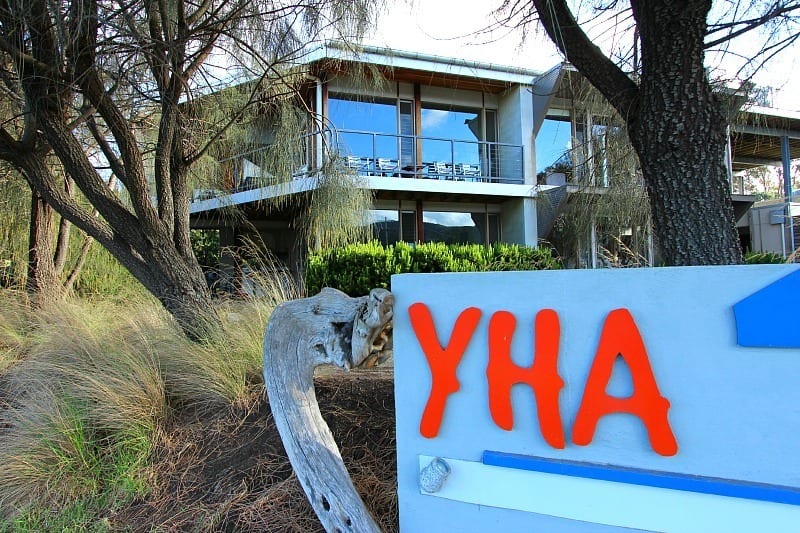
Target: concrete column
[[787, 191]]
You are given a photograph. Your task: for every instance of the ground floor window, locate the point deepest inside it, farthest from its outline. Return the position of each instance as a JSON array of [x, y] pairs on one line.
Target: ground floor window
[[390, 226], [393, 225], [461, 227]]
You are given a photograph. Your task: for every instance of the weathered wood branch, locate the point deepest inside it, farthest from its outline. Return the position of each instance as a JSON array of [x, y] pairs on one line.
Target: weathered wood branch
[[329, 328]]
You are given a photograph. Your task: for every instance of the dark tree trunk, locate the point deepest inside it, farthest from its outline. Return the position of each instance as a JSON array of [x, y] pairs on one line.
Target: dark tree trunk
[[680, 136], [43, 283], [153, 259], [675, 122], [64, 231], [180, 286]]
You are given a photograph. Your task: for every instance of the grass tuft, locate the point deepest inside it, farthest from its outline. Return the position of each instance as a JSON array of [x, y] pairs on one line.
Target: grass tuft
[[88, 389], [91, 389]]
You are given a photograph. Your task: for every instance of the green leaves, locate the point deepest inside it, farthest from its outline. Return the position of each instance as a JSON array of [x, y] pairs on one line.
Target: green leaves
[[357, 268]]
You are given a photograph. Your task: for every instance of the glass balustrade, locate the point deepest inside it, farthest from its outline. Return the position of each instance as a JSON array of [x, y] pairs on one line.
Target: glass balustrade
[[408, 156]]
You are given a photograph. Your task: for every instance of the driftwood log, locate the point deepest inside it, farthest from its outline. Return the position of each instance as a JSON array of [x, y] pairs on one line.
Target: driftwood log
[[329, 328]]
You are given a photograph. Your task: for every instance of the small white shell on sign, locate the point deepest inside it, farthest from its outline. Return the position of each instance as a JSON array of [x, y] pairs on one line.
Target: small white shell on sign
[[433, 476]]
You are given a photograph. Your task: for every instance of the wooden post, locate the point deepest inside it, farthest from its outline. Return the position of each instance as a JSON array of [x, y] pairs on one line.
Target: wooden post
[[329, 328]]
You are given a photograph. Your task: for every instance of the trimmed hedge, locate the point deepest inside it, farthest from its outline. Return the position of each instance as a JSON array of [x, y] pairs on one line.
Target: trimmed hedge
[[357, 268]]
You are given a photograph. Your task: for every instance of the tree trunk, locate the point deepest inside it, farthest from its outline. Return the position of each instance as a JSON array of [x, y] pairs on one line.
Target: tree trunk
[[680, 136], [183, 291], [72, 277], [675, 122], [176, 280], [64, 231], [43, 283]]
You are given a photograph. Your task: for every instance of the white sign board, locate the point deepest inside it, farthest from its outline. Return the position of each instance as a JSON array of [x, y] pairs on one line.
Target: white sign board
[[594, 400]]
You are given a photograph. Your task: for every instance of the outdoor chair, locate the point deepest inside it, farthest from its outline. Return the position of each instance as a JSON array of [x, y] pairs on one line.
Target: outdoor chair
[[385, 167], [442, 170], [301, 172], [356, 164], [466, 171]]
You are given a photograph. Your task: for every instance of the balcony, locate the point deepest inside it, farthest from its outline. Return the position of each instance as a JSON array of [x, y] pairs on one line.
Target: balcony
[[417, 157], [381, 154]]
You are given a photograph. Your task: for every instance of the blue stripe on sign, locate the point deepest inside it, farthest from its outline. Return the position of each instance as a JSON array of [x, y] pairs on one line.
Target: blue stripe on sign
[[649, 478]]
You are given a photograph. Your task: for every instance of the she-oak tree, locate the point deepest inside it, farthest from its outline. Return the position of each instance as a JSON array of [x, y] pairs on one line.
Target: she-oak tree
[[676, 121], [100, 70]]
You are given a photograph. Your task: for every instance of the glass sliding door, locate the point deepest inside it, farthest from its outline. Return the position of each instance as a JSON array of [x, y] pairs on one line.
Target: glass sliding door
[[490, 155], [461, 227], [408, 226], [385, 226], [364, 128], [451, 135], [390, 225], [554, 162]]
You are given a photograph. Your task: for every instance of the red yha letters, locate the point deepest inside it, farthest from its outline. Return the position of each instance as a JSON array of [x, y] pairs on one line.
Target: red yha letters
[[620, 337]]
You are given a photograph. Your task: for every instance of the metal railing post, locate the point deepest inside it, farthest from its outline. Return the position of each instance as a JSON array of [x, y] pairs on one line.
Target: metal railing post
[[453, 158]]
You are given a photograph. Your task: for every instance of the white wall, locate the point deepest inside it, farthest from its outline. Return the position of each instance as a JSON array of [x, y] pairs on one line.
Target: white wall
[[518, 221], [515, 115]]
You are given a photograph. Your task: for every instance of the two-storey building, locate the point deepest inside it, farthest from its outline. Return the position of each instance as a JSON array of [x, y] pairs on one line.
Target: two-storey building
[[453, 150]]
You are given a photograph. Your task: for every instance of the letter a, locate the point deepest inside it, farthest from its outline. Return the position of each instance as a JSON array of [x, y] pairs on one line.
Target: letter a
[[443, 362], [542, 375], [621, 337]]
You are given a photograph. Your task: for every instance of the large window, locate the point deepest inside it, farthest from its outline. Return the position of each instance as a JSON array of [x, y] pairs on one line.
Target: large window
[[446, 123], [393, 225], [390, 226], [459, 227], [574, 147], [554, 145], [351, 113], [454, 138], [365, 121]]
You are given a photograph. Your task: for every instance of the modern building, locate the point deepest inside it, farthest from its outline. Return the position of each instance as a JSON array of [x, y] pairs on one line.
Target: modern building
[[453, 150], [766, 137]]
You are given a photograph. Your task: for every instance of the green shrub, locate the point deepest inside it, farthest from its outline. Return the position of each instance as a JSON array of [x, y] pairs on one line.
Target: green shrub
[[763, 258], [359, 265], [357, 268]]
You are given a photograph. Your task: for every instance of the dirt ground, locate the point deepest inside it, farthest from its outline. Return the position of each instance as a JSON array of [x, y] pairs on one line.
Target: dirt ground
[[229, 471]]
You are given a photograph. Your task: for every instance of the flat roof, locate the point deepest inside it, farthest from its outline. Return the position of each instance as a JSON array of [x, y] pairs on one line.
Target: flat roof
[[420, 62]]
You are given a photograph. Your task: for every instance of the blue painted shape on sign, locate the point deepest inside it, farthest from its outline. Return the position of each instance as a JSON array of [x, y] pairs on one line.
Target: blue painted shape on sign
[[650, 478], [768, 318]]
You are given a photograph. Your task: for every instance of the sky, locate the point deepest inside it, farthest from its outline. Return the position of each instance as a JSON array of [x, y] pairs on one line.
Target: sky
[[453, 28]]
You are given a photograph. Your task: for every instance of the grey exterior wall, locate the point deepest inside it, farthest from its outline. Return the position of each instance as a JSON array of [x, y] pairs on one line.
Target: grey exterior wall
[[518, 221], [515, 115]]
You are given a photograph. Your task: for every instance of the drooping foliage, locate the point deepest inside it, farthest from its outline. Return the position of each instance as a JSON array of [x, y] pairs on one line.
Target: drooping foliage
[[117, 89]]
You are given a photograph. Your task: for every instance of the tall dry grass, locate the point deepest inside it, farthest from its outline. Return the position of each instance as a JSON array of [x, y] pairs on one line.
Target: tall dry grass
[[88, 388], [15, 331], [86, 403]]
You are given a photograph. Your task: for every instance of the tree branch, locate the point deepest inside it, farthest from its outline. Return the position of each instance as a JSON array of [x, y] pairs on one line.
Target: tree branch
[[750, 24], [64, 230], [560, 24], [92, 86], [116, 165]]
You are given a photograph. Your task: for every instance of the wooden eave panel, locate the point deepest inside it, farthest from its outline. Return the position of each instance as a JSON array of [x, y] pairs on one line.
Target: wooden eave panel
[[760, 147], [406, 75]]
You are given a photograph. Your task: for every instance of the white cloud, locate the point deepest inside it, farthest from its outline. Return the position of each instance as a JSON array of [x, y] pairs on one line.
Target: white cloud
[[434, 117], [452, 28], [448, 219]]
